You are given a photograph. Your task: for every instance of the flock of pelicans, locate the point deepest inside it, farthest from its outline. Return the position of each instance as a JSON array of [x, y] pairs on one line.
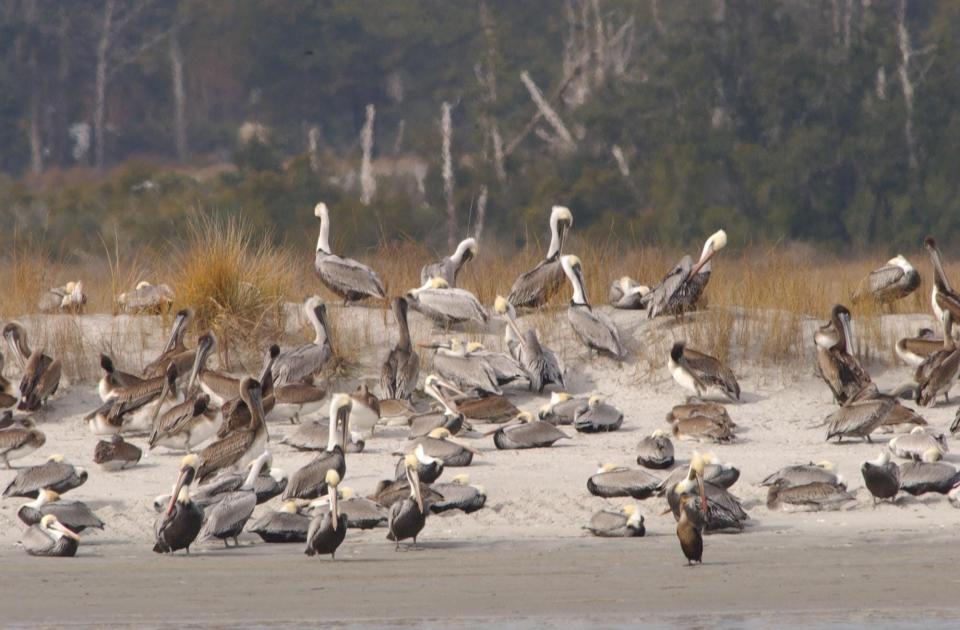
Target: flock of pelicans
[[179, 403]]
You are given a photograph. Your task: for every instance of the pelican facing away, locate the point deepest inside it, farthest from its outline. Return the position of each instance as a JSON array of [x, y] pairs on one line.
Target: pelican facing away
[[914, 350], [116, 454], [351, 280], [181, 520], [74, 514], [623, 523], [449, 267], [525, 432], [701, 373], [407, 518], [655, 451], [680, 290], [446, 305], [536, 287], [540, 362], [302, 363], [54, 474], [51, 538], [627, 294], [327, 530], [611, 480], [939, 371], [17, 443], [595, 329], [398, 376], [894, 281], [311, 480], [801, 474], [881, 477], [41, 373], [812, 496]]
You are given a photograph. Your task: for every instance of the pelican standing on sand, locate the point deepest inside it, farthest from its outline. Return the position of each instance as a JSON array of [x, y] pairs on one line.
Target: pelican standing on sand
[[942, 296], [446, 305], [51, 538], [449, 267], [17, 443], [540, 362], [407, 518], [535, 287], [881, 477], [310, 481], [938, 372], [701, 373], [595, 329], [351, 280], [327, 530], [181, 520], [680, 290], [303, 363], [894, 281], [241, 446], [226, 518], [41, 373], [398, 376], [836, 360], [175, 351]]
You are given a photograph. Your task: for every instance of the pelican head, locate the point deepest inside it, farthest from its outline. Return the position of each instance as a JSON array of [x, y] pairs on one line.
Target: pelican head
[[56, 458], [290, 507], [826, 465], [347, 493], [500, 305], [438, 283], [932, 454], [882, 459], [676, 352], [716, 242], [462, 479], [561, 219], [320, 211], [440, 433], [573, 268], [332, 478], [900, 261], [659, 433], [524, 417], [143, 284], [594, 400], [633, 515], [917, 430], [466, 250], [188, 471], [413, 477], [558, 397], [56, 529], [606, 468], [474, 346]]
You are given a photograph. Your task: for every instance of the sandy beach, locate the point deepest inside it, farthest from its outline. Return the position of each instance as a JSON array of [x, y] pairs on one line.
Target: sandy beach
[[525, 556]]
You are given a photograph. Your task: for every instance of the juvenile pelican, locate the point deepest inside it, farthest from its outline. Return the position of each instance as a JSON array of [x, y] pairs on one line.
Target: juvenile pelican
[[398, 376], [881, 477], [525, 432], [116, 454], [407, 518], [894, 281], [303, 363], [815, 496], [186, 425], [74, 514], [328, 530], [939, 371], [594, 328], [836, 360], [611, 480], [17, 443], [346, 277], [597, 416], [54, 474], [181, 520], [446, 305], [535, 287], [226, 518], [690, 530], [41, 373], [626, 522], [241, 446], [858, 418], [655, 451], [703, 428], [701, 373], [681, 288], [505, 366], [448, 267], [50, 538], [311, 480], [113, 380], [133, 408], [627, 294], [9, 393], [218, 386], [942, 296], [914, 350], [175, 351], [539, 362]]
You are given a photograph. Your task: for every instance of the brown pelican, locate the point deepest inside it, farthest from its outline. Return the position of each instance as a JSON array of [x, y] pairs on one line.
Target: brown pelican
[[690, 530], [17, 443], [446, 417], [611, 480], [186, 425], [55, 474], [113, 380], [801, 474], [406, 518], [562, 408], [269, 483], [459, 495], [505, 366], [328, 530], [722, 476], [242, 446], [539, 362], [626, 522], [701, 373], [723, 511], [310, 481], [627, 294], [702, 429], [449, 267], [181, 520], [303, 363], [346, 277], [815, 496], [398, 376], [365, 413], [116, 454], [701, 409], [445, 305], [465, 371], [74, 514], [597, 416], [881, 477], [50, 538], [939, 371], [914, 350], [429, 468], [836, 360], [525, 432], [942, 296], [285, 525], [681, 288], [315, 436], [484, 407], [41, 373], [594, 328], [9, 393], [142, 402], [858, 418], [69, 298], [7, 421], [175, 351], [535, 287], [147, 298], [226, 518], [913, 445], [894, 281], [388, 492], [926, 476], [655, 451], [361, 513], [440, 445]]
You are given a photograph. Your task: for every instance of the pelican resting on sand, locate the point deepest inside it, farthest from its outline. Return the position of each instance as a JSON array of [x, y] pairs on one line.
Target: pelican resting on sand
[[147, 298], [540, 363], [449, 267], [116, 453], [284, 525], [611, 480], [814, 496], [597, 416], [921, 477], [55, 474], [681, 288], [351, 280], [459, 494], [802, 474], [915, 444], [881, 477], [446, 305], [525, 432], [75, 515], [535, 287], [894, 281], [595, 329], [50, 538], [17, 443], [701, 373], [627, 522], [627, 294], [655, 451]]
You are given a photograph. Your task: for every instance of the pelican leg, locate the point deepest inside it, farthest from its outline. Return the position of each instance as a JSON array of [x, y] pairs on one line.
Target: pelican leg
[[226, 544], [236, 543], [868, 438], [333, 556], [6, 462], [296, 418], [188, 550]]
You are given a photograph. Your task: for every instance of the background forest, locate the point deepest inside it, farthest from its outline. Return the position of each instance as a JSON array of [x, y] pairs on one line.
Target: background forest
[[656, 121]]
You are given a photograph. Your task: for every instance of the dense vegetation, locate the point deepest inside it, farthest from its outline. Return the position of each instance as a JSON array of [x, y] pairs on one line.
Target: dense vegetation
[[828, 120]]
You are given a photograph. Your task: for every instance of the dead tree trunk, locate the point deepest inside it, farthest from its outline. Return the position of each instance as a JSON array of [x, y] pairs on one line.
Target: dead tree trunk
[[906, 84], [60, 131], [36, 139], [179, 95], [313, 147], [100, 87], [368, 185], [549, 114], [446, 129], [481, 212]]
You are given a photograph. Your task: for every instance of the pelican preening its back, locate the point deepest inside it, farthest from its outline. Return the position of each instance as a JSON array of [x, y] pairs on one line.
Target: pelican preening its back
[[701, 373], [594, 328], [69, 298], [881, 477], [401, 369], [50, 538], [535, 287], [681, 288], [540, 362], [41, 373], [351, 280], [449, 267], [625, 293], [446, 305], [894, 281], [939, 370]]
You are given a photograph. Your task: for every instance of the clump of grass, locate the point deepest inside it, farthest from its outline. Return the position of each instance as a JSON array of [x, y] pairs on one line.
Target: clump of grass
[[28, 269], [236, 282]]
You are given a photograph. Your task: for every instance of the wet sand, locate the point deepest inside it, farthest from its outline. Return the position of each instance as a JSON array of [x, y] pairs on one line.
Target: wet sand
[[565, 581]]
